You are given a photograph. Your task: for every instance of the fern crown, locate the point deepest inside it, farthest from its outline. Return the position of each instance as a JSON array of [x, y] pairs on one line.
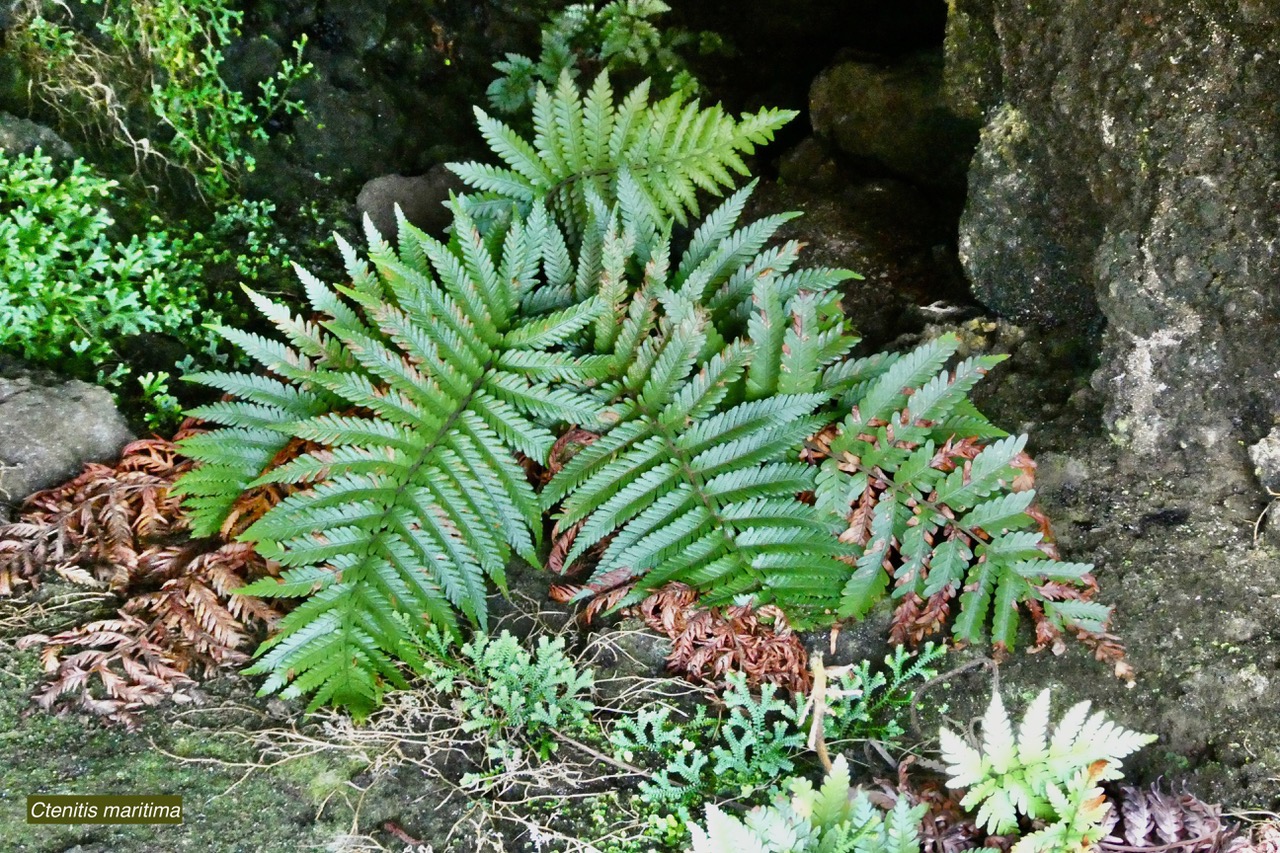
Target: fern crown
[[582, 144]]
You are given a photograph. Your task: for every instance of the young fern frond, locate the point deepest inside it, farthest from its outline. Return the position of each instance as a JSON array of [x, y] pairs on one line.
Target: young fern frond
[[832, 819], [1040, 776], [938, 509], [673, 149], [434, 388]]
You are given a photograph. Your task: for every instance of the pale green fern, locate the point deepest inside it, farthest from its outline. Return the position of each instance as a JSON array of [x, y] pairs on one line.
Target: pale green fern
[[1040, 776], [828, 820]]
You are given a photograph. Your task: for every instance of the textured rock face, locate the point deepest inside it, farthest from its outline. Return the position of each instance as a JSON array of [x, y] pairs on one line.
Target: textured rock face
[[895, 116], [23, 136], [1131, 162], [48, 431]]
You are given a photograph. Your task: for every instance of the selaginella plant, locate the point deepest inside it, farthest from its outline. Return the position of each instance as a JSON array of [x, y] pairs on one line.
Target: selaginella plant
[[704, 383], [1041, 776]]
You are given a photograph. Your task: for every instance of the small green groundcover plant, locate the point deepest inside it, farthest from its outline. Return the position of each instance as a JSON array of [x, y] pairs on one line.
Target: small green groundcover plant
[[73, 290], [83, 296], [525, 705], [1038, 775]]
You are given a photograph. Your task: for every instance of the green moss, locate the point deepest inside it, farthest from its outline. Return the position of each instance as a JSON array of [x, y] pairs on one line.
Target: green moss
[[269, 810]]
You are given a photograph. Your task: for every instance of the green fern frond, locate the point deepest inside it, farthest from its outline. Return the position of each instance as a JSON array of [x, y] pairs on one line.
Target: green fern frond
[[832, 819], [932, 504], [673, 149], [429, 390]]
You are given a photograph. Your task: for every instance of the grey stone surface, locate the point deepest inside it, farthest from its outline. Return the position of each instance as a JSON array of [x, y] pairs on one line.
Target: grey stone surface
[[894, 115], [48, 430], [1265, 456], [23, 136], [420, 197], [1134, 166], [1024, 253]]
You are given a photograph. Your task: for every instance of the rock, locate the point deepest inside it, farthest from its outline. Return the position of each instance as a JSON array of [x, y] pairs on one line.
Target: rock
[[23, 136], [972, 83], [346, 135], [884, 229], [1129, 179], [895, 116], [1019, 245], [50, 429], [251, 61], [422, 199], [1266, 461]]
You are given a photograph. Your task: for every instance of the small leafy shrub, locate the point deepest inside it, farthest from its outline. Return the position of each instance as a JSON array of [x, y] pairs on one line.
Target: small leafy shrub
[[149, 78], [830, 819], [72, 291], [1052, 778], [618, 36]]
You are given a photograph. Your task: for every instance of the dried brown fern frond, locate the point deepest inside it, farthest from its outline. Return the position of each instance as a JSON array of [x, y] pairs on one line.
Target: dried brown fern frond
[[709, 643], [1177, 822], [119, 527]]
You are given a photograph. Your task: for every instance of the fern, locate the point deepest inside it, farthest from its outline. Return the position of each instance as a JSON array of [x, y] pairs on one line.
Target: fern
[[711, 376], [935, 504], [829, 820], [583, 144], [1038, 775], [434, 388]]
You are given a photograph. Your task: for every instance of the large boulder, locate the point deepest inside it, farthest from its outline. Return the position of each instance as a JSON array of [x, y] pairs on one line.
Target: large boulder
[[1128, 175], [50, 428], [894, 115]]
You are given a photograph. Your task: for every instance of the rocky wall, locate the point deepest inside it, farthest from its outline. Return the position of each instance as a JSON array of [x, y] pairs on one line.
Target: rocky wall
[[1128, 176]]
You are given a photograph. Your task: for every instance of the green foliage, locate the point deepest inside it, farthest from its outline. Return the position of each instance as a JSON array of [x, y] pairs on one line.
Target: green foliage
[[696, 480], [866, 705], [516, 698], [73, 293], [150, 79], [1040, 776], [583, 145], [828, 820], [967, 528], [619, 36], [758, 737]]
